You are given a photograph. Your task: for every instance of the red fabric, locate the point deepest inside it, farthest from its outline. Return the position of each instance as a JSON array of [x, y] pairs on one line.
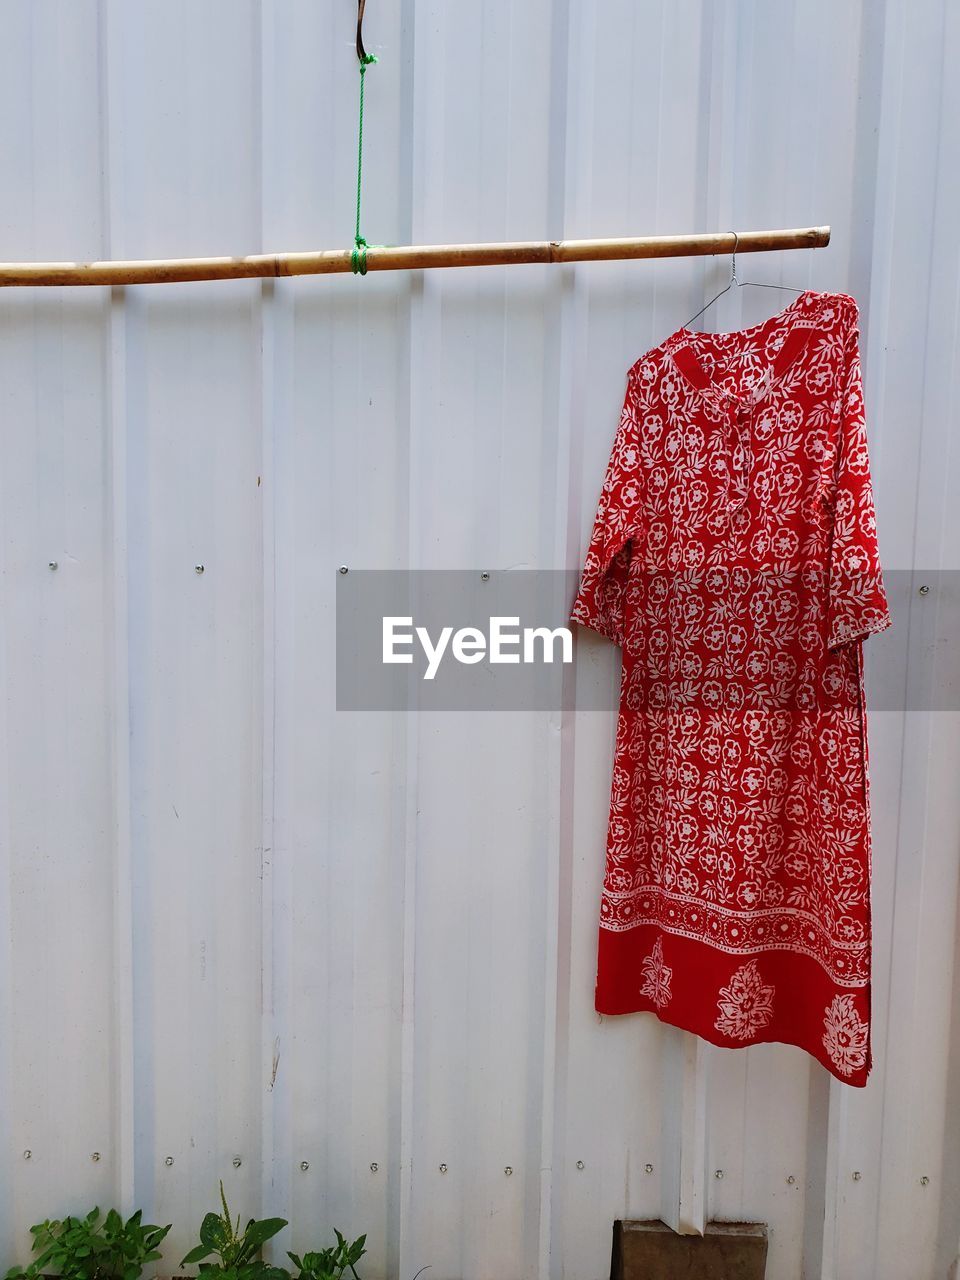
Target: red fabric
[[734, 559]]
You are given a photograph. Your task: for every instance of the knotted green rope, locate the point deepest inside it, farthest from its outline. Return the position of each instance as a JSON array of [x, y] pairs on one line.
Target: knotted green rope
[[358, 255]]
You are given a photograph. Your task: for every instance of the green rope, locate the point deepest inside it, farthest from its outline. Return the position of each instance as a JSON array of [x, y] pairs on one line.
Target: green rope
[[358, 255]]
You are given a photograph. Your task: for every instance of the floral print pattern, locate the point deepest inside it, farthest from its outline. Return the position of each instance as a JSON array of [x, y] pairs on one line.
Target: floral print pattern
[[734, 559], [656, 976], [745, 1004], [845, 1036]]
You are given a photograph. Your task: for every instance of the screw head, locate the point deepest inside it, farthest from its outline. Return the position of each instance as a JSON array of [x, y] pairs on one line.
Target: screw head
[[168, 1161], [27, 1155], [924, 1181], [304, 1165], [857, 1175], [648, 1168], [443, 1168], [343, 569], [53, 565], [791, 1180], [485, 576], [923, 591], [718, 1173], [508, 1171], [579, 1164], [198, 568], [95, 1157], [374, 1167], [237, 1162]]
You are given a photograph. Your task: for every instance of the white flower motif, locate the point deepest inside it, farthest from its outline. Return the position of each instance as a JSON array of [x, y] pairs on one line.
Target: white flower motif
[[772, 894], [745, 1005], [845, 1035], [687, 882], [849, 929], [629, 456], [748, 895], [630, 493], [693, 556], [757, 665], [849, 873], [697, 495], [796, 865], [656, 976], [753, 781]]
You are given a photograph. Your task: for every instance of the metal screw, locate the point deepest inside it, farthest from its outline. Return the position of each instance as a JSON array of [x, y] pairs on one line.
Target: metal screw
[[648, 1168], [924, 1181], [198, 568], [27, 1155], [169, 1161], [443, 1168], [857, 1175], [508, 1171], [95, 1157], [304, 1165], [791, 1180], [53, 565], [374, 1167], [484, 577], [924, 591], [237, 1162], [344, 569], [718, 1174], [579, 1164]]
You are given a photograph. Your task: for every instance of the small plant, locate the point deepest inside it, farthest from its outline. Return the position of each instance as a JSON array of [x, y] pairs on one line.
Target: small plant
[[330, 1264], [91, 1249], [238, 1251]]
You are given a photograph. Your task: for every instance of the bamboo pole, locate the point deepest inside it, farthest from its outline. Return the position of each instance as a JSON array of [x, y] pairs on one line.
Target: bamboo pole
[[404, 258]]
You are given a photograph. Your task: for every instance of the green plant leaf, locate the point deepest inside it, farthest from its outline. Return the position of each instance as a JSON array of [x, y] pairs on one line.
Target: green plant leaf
[[214, 1233], [258, 1233], [90, 1249], [197, 1254]]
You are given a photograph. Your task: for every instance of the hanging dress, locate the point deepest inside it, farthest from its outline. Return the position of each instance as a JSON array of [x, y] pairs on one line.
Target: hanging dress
[[734, 560]]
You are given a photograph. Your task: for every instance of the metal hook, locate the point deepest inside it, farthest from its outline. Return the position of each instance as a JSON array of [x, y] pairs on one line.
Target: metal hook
[[741, 284], [361, 51]]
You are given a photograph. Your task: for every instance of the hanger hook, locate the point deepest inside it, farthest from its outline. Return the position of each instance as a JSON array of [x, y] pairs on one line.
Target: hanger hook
[[733, 258], [362, 55]]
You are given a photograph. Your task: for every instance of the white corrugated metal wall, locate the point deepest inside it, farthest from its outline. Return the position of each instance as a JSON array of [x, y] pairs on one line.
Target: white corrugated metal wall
[[324, 954]]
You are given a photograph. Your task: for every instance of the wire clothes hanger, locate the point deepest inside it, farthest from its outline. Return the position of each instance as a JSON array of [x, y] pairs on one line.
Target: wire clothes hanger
[[741, 284]]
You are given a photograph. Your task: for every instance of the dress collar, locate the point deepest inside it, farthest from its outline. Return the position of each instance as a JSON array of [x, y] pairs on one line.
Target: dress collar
[[683, 353]]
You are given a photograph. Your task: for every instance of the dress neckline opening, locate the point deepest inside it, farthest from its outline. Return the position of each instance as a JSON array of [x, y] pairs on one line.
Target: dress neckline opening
[[683, 344], [747, 330]]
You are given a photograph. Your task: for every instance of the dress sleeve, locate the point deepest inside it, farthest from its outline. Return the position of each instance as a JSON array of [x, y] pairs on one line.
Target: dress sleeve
[[857, 603], [601, 596]]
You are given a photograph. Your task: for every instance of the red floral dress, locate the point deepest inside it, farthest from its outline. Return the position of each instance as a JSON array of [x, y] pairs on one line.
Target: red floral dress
[[734, 560]]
